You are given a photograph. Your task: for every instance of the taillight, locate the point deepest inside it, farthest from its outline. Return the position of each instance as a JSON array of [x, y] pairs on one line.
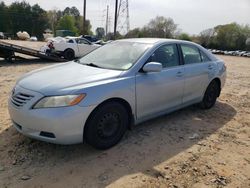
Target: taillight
[[51, 45]]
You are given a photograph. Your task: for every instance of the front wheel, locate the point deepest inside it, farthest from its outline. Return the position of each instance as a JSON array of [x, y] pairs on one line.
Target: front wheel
[[210, 95], [106, 125]]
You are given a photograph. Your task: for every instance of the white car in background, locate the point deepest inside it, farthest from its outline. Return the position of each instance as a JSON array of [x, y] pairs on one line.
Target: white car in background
[[69, 47], [239, 52], [247, 54]]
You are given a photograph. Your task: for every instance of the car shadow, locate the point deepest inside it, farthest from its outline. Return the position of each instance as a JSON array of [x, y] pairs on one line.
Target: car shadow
[[141, 150]]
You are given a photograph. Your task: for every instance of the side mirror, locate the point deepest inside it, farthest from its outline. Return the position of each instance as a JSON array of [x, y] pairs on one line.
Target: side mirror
[[152, 67]]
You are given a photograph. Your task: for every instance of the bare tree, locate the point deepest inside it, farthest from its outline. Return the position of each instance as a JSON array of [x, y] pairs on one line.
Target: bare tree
[[205, 36]]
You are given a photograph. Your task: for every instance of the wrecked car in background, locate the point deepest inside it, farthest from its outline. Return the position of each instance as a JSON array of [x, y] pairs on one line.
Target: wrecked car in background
[[69, 47]]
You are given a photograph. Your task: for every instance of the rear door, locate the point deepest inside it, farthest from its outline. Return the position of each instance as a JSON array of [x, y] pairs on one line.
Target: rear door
[[159, 91], [197, 69]]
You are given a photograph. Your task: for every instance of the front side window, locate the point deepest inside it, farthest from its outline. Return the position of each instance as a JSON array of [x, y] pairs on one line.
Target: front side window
[[167, 55], [191, 54], [119, 55]]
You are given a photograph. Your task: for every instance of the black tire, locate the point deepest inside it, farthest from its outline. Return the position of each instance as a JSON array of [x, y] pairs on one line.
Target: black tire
[[210, 96], [69, 54], [106, 125]]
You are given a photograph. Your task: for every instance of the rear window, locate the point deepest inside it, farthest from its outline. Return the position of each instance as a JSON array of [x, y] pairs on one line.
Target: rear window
[[70, 41]]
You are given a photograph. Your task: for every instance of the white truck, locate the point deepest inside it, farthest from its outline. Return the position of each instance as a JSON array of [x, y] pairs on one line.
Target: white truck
[[69, 47]]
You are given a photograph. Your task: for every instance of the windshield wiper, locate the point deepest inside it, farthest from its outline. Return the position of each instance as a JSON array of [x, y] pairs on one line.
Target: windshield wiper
[[88, 64], [77, 60], [92, 65]]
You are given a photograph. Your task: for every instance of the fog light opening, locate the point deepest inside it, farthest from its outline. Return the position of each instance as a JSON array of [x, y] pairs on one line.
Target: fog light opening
[[47, 134]]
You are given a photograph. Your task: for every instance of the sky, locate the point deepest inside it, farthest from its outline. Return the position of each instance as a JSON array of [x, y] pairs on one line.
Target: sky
[[192, 16]]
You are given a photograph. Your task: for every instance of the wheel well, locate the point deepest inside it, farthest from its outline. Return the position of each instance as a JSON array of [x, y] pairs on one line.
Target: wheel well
[[217, 80], [69, 49], [120, 101]]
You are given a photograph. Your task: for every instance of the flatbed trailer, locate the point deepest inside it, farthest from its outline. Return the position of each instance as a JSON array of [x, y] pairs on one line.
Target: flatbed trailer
[[8, 50]]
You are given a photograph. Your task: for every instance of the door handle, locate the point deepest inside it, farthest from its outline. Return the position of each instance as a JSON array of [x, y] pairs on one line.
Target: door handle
[[179, 74]]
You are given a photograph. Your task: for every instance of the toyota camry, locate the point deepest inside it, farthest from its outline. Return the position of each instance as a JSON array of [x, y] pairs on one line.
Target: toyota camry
[[97, 98]]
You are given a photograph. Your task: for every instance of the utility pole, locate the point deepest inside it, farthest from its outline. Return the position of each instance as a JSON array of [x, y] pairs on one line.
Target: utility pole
[[84, 17], [107, 20], [116, 15]]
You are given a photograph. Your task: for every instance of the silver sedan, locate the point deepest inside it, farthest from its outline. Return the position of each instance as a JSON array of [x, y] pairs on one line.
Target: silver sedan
[[98, 97]]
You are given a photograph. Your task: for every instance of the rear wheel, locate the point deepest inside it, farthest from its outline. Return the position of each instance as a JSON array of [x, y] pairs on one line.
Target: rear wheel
[[106, 125], [210, 95], [69, 54]]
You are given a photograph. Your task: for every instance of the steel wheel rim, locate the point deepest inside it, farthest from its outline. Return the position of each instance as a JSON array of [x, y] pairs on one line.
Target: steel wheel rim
[[108, 125]]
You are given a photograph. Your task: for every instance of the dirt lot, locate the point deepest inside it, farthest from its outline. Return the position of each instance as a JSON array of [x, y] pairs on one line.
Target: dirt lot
[[188, 148]]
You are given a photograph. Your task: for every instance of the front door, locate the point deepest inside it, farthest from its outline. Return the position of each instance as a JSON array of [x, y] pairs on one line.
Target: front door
[[160, 91]]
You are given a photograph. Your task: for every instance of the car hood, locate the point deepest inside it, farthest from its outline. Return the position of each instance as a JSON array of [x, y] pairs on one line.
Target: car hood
[[56, 79]]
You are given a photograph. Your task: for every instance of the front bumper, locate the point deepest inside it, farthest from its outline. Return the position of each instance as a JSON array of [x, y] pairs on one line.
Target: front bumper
[[63, 125]]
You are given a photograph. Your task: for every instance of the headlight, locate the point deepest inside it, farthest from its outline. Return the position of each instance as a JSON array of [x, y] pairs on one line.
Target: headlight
[[59, 101]]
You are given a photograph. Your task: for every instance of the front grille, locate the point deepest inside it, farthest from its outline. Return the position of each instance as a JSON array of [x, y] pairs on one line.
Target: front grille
[[20, 99]]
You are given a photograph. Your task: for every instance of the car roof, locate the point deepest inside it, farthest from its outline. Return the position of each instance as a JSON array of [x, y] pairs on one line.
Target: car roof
[[159, 41], [154, 40]]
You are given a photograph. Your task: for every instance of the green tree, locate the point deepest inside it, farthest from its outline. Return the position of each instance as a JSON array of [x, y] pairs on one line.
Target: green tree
[[4, 26], [100, 32], [79, 25], [248, 44], [73, 11], [184, 36], [89, 27], [225, 37], [135, 33], [39, 21], [66, 11], [110, 36], [67, 22], [230, 37], [20, 17]]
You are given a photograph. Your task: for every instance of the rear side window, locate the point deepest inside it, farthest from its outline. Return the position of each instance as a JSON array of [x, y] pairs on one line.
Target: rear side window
[[191, 54], [204, 57], [82, 41], [70, 41]]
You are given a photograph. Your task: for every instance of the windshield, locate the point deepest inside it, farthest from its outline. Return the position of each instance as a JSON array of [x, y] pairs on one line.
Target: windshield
[[119, 55]]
